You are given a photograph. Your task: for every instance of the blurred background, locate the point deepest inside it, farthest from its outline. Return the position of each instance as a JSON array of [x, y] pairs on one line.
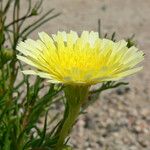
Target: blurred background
[[120, 119]]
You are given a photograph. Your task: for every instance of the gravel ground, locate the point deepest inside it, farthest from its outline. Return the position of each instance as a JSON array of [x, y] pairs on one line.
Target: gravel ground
[[113, 123], [120, 119]]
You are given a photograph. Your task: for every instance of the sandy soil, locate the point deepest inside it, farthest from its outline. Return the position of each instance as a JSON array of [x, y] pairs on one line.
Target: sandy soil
[[120, 120]]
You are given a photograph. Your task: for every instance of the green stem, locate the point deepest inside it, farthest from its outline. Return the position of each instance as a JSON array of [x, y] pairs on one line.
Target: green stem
[[67, 126], [75, 96]]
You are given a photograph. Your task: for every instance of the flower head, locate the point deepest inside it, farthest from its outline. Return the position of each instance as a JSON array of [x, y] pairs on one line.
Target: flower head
[[71, 59]]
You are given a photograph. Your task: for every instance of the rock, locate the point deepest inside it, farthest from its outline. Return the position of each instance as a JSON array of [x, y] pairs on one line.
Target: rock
[[143, 143], [100, 143], [89, 123], [88, 149], [122, 90], [133, 148], [145, 112]]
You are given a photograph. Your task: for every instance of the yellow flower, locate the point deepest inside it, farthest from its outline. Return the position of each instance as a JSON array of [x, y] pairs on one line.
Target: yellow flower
[[71, 59]]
